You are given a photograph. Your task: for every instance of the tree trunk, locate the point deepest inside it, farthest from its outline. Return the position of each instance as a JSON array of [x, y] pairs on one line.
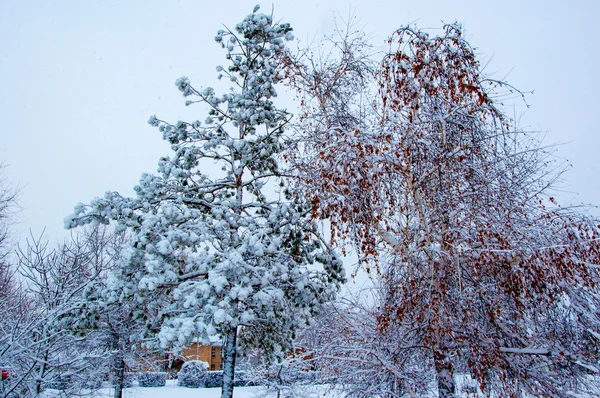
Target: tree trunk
[[42, 374], [38, 384], [229, 363], [445, 374], [119, 380]]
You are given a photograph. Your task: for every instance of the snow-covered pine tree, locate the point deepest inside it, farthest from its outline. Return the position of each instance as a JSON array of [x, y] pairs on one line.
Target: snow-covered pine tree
[[216, 253]]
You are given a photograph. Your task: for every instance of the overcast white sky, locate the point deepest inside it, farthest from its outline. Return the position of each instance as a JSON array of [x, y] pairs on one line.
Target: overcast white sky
[[79, 79]]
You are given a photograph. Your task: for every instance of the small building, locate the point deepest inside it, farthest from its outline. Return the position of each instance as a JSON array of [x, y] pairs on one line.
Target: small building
[[211, 354]]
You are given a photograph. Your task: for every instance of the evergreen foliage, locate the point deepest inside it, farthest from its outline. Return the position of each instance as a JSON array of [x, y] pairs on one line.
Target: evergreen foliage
[[217, 251]]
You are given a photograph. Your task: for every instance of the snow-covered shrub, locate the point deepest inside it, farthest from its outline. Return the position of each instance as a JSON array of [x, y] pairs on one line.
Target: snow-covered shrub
[[152, 379], [59, 383], [243, 379], [214, 379], [193, 374]]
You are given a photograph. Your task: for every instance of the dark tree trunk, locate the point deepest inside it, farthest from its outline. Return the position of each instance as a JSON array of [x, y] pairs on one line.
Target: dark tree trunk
[[445, 374], [119, 380], [42, 375], [229, 363]]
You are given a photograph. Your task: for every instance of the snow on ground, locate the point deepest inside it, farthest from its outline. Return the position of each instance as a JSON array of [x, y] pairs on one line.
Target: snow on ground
[[172, 390]]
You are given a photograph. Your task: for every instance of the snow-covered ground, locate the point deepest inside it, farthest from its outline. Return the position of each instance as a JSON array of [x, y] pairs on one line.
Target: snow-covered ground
[[172, 390]]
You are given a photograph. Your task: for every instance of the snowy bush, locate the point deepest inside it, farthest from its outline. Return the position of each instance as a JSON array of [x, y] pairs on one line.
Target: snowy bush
[[214, 379], [152, 379], [243, 379], [193, 374], [59, 383]]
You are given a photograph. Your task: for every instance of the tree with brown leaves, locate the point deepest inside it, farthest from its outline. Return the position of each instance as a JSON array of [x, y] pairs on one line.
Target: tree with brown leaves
[[449, 205]]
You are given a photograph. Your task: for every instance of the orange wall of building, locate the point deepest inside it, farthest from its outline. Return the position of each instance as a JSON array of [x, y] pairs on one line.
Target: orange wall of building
[[208, 354]]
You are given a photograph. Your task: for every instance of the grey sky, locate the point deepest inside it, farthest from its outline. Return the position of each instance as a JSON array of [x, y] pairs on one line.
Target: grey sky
[[79, 80]]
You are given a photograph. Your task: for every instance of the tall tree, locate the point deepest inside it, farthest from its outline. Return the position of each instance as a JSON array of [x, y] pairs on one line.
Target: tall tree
[[484, 272], [222, 252]]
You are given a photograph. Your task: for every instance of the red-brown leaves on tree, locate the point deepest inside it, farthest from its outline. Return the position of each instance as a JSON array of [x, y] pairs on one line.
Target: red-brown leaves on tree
[[446, 200]]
